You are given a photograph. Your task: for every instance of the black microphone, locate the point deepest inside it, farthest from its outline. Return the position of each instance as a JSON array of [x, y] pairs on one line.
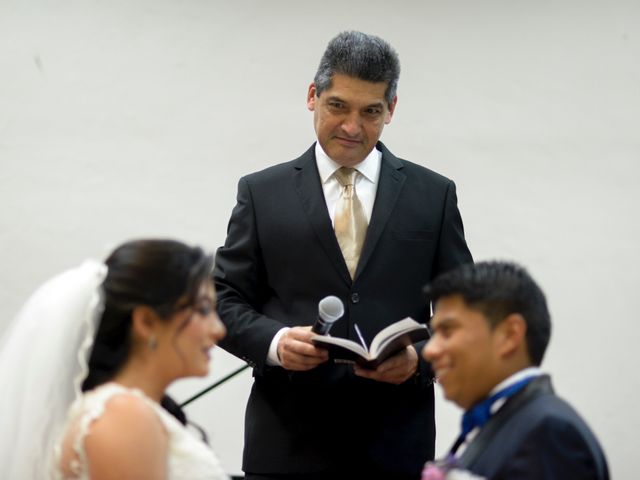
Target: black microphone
[[330, 309]]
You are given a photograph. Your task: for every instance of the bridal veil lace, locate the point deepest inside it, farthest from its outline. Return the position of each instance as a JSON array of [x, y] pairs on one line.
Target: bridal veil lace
[[43, 360]]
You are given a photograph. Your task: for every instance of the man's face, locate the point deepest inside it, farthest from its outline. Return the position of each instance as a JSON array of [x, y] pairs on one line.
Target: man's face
[[349, 117], [464, 352]]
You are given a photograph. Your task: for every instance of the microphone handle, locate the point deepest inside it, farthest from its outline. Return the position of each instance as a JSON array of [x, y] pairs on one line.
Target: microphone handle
[[320, 327]]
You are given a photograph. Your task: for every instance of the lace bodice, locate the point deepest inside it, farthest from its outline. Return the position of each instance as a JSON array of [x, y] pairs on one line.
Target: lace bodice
[[189, 458]]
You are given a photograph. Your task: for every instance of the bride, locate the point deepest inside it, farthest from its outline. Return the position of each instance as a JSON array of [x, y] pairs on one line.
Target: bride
[[86, 363]]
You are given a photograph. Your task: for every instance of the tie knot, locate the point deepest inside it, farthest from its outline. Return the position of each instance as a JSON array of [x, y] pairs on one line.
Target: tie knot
[[480, 413], [345, 176]]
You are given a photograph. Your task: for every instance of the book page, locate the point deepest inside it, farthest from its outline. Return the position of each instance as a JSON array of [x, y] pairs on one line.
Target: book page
[[392, 331], [327, 341]]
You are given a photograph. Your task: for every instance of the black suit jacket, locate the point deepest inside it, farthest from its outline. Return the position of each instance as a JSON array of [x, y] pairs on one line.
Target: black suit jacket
[[281, 257], [536, 435]]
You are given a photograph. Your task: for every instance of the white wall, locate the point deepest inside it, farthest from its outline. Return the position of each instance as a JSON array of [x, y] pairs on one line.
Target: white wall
[[122, 119]]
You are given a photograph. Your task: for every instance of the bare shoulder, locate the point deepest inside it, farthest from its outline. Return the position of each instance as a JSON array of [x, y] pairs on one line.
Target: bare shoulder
[[127, 441], [129, 405]]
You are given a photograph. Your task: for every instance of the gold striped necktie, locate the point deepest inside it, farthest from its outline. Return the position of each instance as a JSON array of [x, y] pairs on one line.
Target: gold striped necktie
[[350, 222]]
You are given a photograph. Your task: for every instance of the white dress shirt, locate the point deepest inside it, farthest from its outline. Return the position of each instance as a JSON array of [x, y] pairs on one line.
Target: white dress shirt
[[366, 184]]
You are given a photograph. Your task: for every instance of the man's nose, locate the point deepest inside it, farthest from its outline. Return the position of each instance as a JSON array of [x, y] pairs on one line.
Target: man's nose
[[431, 350], [352, 124], [218, 330]]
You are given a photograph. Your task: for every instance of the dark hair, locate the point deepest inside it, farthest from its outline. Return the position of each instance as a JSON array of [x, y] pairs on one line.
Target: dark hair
[[498, 289], [164, 275], [362, 56]]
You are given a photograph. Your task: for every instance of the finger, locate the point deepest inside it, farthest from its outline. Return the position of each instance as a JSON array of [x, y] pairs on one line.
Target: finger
[[293, 361], [297, 355], [373, 375], [298, 340], [364, 372], [397, 362], [304, 349], [394, 375], [305, 354], [303, 334], [406, 359]]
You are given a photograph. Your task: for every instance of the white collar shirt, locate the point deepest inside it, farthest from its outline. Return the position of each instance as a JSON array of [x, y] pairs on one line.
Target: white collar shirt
[[366, 183]]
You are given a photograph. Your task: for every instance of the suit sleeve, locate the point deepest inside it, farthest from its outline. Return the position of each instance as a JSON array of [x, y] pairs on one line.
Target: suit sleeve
[[241, 285], [452, 251], [452, 248]]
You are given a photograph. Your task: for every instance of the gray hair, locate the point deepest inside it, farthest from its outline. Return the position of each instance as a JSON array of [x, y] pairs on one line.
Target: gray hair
[[362, 56]]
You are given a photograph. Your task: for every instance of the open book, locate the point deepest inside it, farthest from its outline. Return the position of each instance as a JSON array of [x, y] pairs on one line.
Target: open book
[[386, 343]]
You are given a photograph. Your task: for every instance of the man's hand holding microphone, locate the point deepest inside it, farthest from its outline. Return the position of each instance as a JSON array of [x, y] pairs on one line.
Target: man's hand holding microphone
[[296, 351]]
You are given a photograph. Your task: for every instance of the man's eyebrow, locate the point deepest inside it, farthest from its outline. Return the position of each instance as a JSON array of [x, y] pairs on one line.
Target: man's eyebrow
[[336, 98], [442, 321]]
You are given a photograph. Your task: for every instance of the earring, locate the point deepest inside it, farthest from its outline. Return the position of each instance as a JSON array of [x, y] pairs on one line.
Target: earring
[[152, 343]]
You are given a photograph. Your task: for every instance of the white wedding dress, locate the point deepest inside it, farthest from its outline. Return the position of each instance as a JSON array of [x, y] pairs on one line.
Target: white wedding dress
[[189, 458]]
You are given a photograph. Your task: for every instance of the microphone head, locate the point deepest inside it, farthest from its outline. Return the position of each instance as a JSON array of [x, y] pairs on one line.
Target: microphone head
[[330, 309]]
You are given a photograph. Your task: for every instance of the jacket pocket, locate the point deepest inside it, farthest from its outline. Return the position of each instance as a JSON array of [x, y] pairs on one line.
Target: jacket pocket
[[414, 235]]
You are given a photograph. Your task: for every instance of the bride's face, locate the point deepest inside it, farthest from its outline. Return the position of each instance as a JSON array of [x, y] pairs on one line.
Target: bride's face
[[193, 332]]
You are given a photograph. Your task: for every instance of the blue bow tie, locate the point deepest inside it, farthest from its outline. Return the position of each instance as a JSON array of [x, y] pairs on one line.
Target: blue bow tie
[[480, 413]]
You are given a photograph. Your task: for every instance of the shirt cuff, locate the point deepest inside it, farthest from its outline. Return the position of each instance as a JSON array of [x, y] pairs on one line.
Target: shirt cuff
[[272, 356]]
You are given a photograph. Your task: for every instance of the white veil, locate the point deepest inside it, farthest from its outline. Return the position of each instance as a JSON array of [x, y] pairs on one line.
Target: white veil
[[43, 360]]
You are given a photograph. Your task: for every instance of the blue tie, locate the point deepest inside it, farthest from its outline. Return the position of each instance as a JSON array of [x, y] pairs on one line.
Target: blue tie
[[480, 413]]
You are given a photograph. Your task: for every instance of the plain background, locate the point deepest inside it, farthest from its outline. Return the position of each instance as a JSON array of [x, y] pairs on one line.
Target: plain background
[[125, 119]]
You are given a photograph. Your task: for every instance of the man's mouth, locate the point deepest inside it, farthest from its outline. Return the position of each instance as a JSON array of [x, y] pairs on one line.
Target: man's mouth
[[350, 142], [441, 371]]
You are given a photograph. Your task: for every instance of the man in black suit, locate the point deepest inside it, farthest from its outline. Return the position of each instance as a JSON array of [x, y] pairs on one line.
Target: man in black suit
[[308, 417], [491, 328]]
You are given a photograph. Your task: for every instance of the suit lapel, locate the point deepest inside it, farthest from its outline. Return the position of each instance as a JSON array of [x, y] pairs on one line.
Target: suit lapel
[[309, 189], [474, 451], [390, 185]]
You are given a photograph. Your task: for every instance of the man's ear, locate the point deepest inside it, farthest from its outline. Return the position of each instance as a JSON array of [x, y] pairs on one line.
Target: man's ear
[[143, 322], [311, 97], [512, 335], [392, 108]]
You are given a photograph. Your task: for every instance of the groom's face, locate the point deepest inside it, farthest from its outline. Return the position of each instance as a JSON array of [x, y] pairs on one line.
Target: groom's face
[[464, 352]]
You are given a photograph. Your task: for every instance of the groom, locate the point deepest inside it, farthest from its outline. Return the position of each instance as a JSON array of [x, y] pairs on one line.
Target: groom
[[491, 328]]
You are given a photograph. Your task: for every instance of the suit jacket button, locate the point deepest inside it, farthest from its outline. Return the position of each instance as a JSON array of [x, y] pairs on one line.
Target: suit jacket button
[[355, 298]]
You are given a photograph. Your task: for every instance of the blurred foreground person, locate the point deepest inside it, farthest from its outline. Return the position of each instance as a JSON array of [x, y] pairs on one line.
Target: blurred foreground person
[[491, 328], [85, 366]]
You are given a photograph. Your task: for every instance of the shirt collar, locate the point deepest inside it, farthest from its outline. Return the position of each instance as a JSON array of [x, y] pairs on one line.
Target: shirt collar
[[368, 168], [516, 377]]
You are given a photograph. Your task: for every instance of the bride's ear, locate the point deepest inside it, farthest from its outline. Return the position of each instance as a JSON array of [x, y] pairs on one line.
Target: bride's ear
[[143, 324]]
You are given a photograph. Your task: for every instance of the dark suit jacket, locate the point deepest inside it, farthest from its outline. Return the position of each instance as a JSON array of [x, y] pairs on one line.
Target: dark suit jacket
[[281, 257], [536, 435]]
